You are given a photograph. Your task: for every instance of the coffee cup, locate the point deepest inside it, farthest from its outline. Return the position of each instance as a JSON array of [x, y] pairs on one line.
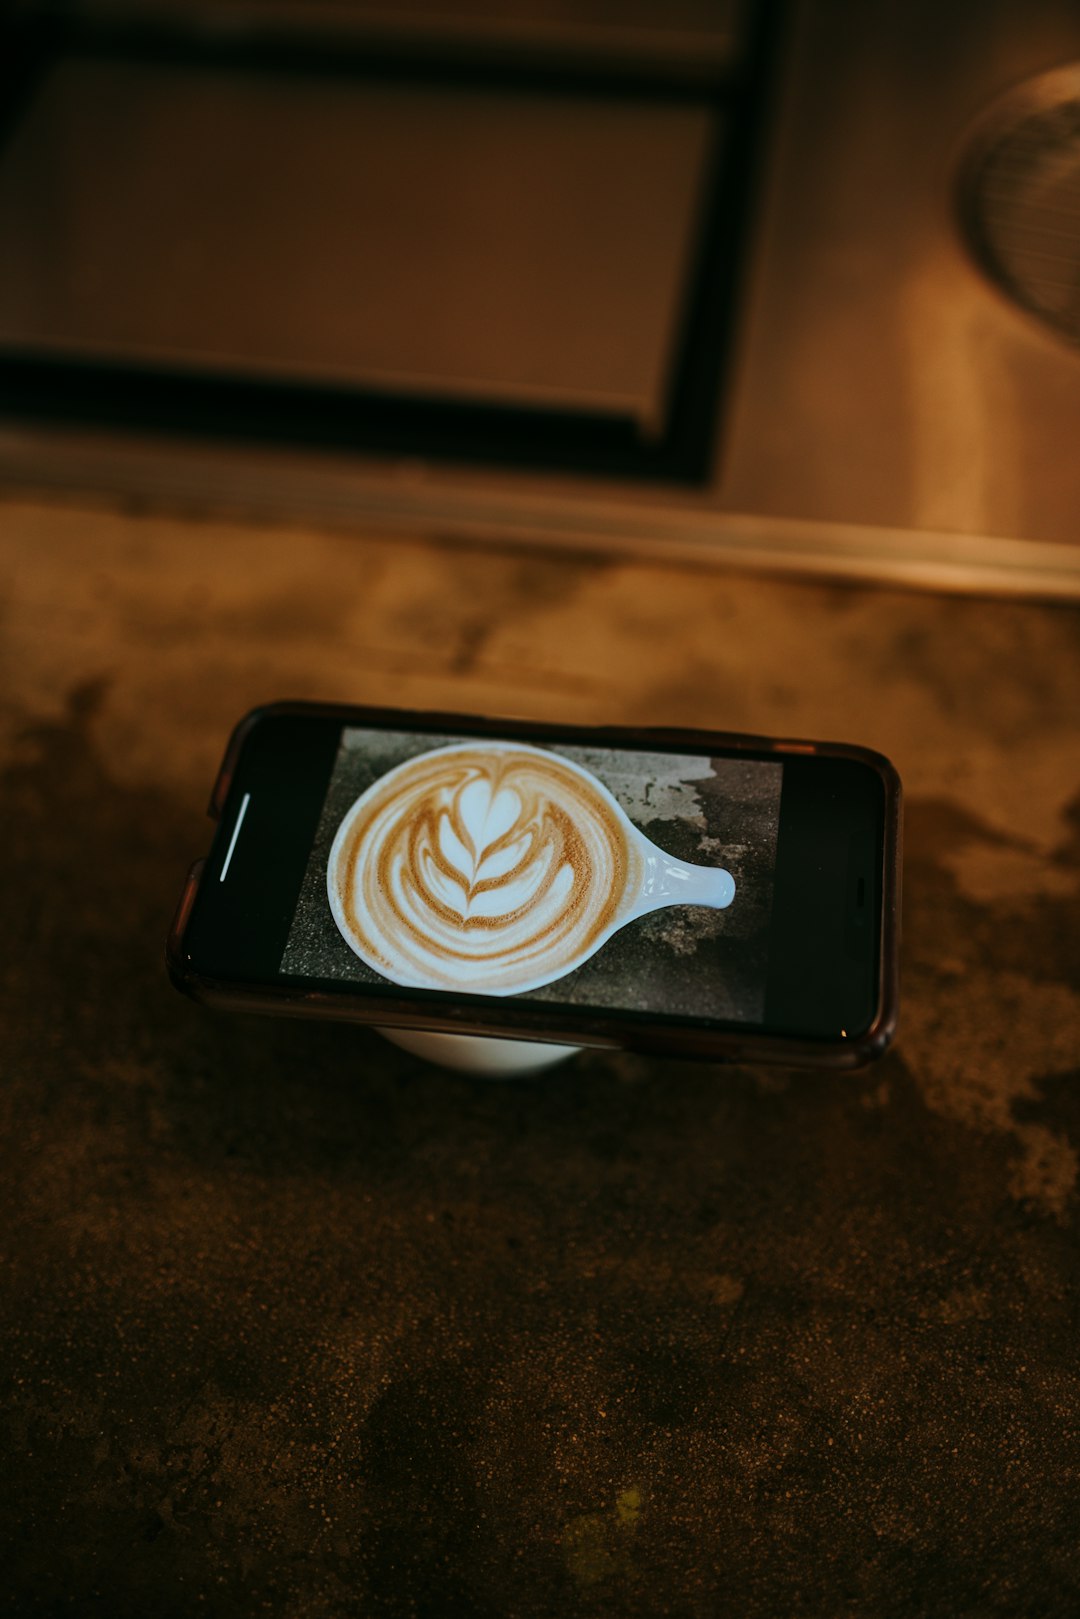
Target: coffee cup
[[496, 868]]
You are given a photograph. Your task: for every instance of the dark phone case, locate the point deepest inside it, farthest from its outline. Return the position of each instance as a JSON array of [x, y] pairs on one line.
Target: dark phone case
[[533, 1023]]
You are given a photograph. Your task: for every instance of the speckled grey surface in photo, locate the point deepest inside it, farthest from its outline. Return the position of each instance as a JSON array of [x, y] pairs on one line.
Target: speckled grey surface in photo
[[686, 959]]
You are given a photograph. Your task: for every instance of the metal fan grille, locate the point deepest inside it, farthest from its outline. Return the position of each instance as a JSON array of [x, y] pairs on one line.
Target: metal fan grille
[[1022, 198]]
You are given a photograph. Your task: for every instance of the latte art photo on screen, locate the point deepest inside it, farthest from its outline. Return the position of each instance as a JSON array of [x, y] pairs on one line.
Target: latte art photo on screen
[[498, 868], [493, 868]]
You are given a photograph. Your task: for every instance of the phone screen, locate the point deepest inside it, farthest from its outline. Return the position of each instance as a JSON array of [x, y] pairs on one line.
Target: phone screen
[[483, 869], [548, 875]]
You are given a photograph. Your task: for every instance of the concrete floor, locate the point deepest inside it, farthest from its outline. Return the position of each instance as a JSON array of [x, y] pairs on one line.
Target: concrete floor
[[294, 1323]]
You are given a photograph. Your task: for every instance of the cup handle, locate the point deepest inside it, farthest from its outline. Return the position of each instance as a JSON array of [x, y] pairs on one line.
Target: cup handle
[[676, 882]]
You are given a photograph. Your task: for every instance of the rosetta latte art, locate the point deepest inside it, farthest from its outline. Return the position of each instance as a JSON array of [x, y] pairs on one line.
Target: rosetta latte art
[[490, 867]]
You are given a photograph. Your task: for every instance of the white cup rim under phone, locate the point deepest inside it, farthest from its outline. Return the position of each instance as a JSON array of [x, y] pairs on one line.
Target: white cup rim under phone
[[666, 881]]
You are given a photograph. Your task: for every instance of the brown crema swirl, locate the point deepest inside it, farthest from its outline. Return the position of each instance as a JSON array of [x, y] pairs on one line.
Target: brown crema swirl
[[488, 867]]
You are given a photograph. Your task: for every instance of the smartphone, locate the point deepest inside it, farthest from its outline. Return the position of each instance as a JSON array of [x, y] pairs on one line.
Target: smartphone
[[664, 891]]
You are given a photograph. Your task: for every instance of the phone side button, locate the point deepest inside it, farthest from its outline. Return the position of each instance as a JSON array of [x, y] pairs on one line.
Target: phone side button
[[183, 909]]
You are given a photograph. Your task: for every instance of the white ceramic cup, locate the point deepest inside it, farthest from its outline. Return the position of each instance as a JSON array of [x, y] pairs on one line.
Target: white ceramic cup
[[488, 1057], [648, 878]]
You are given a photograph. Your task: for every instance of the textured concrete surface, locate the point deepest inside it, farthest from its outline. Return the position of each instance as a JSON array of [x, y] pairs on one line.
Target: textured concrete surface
[[292, 1323]]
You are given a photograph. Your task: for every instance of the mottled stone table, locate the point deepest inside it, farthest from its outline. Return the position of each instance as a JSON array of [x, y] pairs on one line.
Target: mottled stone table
[[293, 1323]]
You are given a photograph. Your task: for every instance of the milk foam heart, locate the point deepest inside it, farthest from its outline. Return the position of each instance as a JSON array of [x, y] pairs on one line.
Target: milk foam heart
[[493, 867]]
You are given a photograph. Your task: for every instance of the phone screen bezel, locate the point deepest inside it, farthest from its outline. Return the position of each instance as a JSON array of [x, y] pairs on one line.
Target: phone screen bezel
[[839, 825]]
